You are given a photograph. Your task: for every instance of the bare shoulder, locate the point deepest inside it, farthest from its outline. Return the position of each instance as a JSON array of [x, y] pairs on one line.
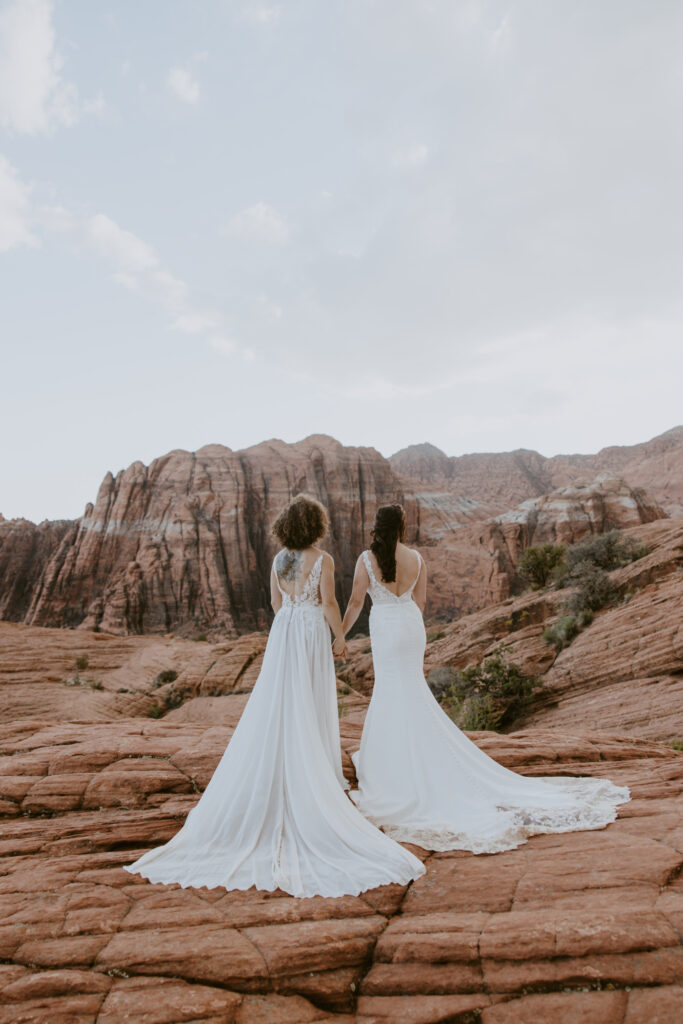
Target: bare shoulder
[[328, 560]]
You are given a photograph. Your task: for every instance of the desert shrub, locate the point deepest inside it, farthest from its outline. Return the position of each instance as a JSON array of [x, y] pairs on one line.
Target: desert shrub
[[431, 637], [441, 681], [594, 589], [95, 684], [82, 662], [539, 563], [518, 619], [169, 675], [486, 696], [677, 744], [201, 637], [605, 551], [561, 633], [155, 711]]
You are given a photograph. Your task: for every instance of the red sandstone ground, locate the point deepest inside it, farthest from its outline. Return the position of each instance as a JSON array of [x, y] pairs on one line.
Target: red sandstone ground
[[583, 927]]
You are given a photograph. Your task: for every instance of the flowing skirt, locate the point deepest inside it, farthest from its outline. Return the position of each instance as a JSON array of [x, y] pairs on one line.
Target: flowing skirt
[[424, 782], [274, 814]]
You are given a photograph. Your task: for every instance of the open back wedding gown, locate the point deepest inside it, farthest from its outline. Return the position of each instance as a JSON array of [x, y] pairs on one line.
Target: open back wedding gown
[[274, 814], [424, 781]]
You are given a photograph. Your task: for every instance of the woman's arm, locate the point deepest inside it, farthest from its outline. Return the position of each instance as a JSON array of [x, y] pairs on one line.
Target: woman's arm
[[330, 606], [420, 589], [275, 593], [361, 582]]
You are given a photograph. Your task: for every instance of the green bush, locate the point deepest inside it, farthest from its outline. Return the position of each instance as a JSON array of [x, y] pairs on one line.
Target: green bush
[[82, 662], [539, 564], [169, 675], [201, 637], [606, 551], [155, 711], [95, 684], [594, 589], [441, 681], [677, 744], [486, 696], [561, 634]]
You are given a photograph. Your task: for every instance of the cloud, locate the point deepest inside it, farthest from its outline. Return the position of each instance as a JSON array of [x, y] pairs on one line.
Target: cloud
[[259, 224], [136, 266], [34, 97], [260, 14], [15, 209], [183, 85], [128, 252], [412, 156]]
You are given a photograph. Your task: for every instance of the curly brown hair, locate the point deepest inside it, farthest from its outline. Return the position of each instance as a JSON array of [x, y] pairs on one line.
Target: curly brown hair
[[301, 523]]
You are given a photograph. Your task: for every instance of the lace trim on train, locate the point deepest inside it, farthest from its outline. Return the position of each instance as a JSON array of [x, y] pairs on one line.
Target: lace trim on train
[[598, 799]]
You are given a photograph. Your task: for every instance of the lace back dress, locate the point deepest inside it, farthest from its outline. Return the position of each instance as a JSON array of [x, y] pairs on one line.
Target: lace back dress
[[425, 782], [274, 814]]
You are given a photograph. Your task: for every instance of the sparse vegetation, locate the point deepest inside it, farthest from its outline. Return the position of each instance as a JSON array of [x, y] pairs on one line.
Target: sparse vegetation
[[562, 632], [606, 551], [155, 711], [95, 684], [517, 619], [677, 744], [539, 563], [81, 662], [486, 696], [201, 637], [169, 675], [585, 567]]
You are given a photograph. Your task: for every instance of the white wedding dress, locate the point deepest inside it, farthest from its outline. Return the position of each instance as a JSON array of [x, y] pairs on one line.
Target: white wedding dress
[[424, 782], [274, 814]]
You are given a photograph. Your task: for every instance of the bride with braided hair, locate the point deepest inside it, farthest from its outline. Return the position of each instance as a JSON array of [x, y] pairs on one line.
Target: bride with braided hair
[[419, 777]]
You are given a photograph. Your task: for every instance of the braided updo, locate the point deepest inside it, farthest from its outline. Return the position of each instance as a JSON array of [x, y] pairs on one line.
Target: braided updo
[[389, 529]]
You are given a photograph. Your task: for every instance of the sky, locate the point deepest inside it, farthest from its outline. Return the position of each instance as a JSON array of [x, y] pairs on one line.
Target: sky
[[390, 221]]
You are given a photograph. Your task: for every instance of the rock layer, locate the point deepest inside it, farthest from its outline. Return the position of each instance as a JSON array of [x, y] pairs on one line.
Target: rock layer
[[624, 671], [25, 552], [185, 542], [584, 926], [499, 480]]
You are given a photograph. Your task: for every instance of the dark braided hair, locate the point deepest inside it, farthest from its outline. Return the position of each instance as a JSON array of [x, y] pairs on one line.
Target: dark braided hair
[[389, 529]]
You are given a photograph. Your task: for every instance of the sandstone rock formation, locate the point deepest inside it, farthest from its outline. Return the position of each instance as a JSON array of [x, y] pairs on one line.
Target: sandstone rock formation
[[25, 552], [502, 479], [579, 927], [185, 542], [184, 545], [475, 566], [623, 672]]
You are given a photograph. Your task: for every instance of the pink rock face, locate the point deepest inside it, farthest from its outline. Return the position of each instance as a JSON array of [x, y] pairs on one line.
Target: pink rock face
[[500, 480], [577, 927], [186, 542], [623, 672], [25, 552], [475, 566]]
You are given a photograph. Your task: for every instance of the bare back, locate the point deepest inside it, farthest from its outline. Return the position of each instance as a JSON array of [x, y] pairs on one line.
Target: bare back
[[408, 567], [293, 567]]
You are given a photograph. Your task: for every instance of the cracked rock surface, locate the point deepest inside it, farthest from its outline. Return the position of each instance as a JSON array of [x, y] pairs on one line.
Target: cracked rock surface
[[581, 928]]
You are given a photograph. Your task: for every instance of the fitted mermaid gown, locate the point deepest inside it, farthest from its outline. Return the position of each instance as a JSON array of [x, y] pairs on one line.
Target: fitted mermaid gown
[[274, 814], [424, 782]]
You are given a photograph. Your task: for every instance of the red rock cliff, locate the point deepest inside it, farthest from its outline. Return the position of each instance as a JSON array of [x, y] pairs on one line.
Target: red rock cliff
[[186, 540]]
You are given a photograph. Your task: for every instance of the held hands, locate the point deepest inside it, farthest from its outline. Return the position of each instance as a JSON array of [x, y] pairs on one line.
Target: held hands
[[339, 648]]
